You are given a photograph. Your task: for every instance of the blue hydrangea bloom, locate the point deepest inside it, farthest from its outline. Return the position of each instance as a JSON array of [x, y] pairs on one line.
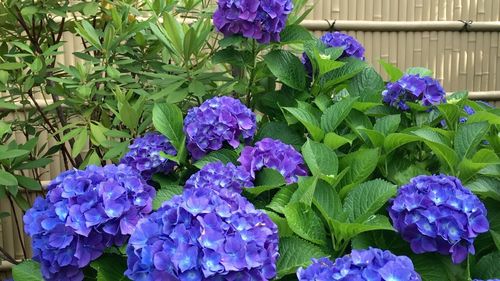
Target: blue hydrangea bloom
[[144, 155], [414, 88], [204, 235], [221, 177], [273, 154], [486, 280], [469, 111], [438, 214], [370, 264], [84, 213], [351, 47], [262, 20], [217, 121]]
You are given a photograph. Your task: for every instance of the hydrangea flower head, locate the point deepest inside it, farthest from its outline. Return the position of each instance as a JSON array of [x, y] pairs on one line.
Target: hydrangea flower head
[[273, 154], [144, 155], [221, 178], [370, 264], [414, 88], [262, 20], [438, 214], [84, 213], [486, 280], [204, 235], [217, 121], [351, 47]]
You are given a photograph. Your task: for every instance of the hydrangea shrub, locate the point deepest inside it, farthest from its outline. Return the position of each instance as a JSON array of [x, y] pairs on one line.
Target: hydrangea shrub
[[193, 198]]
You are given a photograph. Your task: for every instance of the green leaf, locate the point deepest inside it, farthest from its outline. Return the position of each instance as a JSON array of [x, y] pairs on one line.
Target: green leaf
[[345, 231], [350, 69], [28, 183], [98, 133], [394, 73], [167, 119], [367, 85], [281, 198], [496, 238], [328, 202], [90, 9], [335, 114], [335, 141], [280, 131], [295, 33], [308, 120], [11, 65], [305, 223], [28, 270], [284, 229], [38, 163], [295, 253], [28, 11], [451, 113], [80, 142], [87, 31], [287, 68], [13, 153], [320, 159], [110, 267], [433, 267], [387, 124], [266, 179], [224, 155], [305, 190], [37, 65], [468, 137], [4, 214], [487, 267], [367, 198], [361, 163], [165, 193], [7, 178], [423, 72], [486, 187]]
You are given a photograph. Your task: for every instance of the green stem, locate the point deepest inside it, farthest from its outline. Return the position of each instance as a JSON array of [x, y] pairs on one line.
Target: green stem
[[253, 73]]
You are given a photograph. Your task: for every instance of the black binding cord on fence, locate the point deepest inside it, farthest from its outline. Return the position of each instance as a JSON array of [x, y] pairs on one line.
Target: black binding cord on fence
[[331, 25], [467, 25]]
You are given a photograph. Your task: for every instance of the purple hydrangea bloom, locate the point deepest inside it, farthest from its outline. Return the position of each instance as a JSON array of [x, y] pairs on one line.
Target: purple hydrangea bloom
[[486, 280], [371, 264], [438, 214], [221, 178], [262, 20], [204, 235], [84, 213], [469, 110], [274, 154], [352, 48], [217, 121], [414, 88], [144, 155]]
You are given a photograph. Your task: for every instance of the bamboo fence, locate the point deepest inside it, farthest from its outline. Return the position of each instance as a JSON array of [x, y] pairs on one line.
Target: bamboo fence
[[428, 33]]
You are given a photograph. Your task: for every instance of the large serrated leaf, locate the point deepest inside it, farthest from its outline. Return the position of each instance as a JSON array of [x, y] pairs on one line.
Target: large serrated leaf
[[164, 194], [468, 137], [367, 198], [387, 124], [295, 253], [367, 85], [361, 165], [280, 131], [350, 69], [224, 155], [305, 190], [305, 222], [110, 268], [281, 198], [345, 230], [27, 271], [287, 68], [328, 202], [284, 229], [309, 120], [488, 266], [335, 114], [320, 159]]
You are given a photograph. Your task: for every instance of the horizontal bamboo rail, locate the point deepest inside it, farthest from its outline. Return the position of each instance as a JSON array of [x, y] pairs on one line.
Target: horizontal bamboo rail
[[395, 26]]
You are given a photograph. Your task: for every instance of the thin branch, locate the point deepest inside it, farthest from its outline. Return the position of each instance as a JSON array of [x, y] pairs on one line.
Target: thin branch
[[18, 225], [7, 256]]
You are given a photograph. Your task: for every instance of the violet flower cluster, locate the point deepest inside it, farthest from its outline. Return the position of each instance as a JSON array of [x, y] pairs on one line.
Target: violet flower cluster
[[217, 121], [84, 213], [370, 264], [221, 178], [144, 155], [414, 88], [262, 20], [204, 235], [351, 47], [438, 214], [273, 154]]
